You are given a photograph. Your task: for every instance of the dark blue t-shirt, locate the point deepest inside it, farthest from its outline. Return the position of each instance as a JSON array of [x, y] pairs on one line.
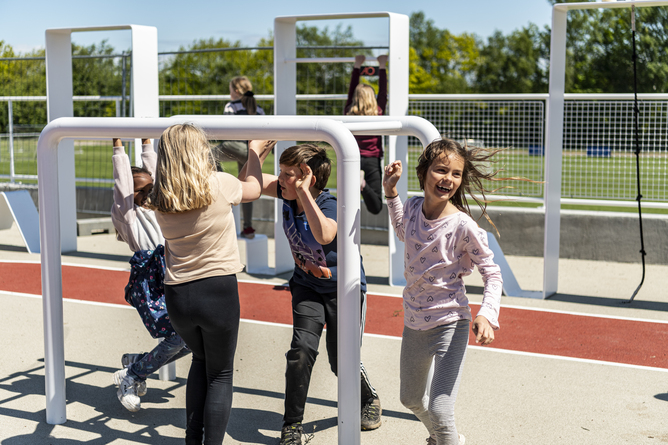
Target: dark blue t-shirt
[[315, 264]]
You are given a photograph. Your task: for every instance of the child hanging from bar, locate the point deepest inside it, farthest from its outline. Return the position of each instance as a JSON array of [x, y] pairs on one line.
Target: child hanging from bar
[[136, 225]]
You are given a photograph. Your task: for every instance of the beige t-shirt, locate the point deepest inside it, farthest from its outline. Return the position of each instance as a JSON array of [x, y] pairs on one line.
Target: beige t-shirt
[[203, 243]]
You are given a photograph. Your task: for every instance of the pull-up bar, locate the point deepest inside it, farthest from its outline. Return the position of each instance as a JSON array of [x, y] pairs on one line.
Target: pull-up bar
[[327, 60]]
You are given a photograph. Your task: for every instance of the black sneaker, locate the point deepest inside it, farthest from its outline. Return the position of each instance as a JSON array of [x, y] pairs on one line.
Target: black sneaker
[[292, 434], [371, 412]]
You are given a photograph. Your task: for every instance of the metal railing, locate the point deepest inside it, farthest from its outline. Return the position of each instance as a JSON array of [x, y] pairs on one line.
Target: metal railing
[[598, 168]]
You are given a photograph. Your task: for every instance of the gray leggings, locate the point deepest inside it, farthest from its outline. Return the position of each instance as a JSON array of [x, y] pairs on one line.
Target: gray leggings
[[434, 405], [235, 151]]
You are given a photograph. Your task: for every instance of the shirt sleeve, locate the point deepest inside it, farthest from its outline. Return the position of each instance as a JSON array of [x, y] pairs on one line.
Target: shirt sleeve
[[123, 213], [149, 158], [396, 209], [354, 81], [382, 90], [230, 187], [482, 257], [328, 208]]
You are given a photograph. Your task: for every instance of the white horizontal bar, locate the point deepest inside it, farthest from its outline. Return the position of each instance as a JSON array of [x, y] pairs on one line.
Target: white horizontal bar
[[327, 60], [609, 5]]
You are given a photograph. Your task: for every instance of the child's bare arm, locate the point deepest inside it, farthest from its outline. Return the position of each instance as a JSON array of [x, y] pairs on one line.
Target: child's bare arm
[[251, 174]]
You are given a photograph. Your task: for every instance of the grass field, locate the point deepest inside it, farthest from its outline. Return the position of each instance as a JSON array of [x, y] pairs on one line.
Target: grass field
[[583, 177]]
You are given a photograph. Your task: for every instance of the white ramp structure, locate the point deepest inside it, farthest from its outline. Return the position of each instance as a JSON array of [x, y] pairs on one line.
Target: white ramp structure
[[17, 206], [555, 131], [59, 104], [285, 103], [338, 134]]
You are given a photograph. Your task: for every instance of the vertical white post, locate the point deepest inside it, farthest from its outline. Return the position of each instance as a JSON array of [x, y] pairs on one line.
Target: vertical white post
[[285, 104], [59, 104], [12, 169], [144, 77], [398, 145], [553, 152]]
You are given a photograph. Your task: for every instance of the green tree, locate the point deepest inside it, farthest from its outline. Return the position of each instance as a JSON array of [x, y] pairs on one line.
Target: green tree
[[516, 63], [441, 62]]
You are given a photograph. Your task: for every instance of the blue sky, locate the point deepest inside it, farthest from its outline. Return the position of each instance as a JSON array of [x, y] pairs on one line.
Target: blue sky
[[22, 23]]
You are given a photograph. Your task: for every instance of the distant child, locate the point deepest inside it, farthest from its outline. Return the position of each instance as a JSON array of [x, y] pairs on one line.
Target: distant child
[[243, 103], [442, 245], [362, 102], [309, 221], [137, 226]]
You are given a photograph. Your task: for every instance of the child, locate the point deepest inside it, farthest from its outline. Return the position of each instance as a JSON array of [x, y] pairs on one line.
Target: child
[[442, 245], [362, 102], [309, 221], [243, 103], [193, 205], [137, 226]]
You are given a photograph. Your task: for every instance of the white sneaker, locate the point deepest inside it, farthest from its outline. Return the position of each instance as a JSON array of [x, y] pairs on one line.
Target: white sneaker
[[127, 360], [127, 390]]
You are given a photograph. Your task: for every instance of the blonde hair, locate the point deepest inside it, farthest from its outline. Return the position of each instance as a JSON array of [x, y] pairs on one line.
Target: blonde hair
[[183, 171], [242, 85], [364, 101]]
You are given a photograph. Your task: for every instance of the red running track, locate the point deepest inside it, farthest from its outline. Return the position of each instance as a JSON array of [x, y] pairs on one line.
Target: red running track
[[596, 338]]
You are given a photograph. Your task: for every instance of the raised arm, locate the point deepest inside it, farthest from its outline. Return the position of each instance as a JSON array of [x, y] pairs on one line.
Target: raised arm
[[322, 228], [382, 82], [149, 158], [269, 182], [394, 204], [354, 80], [251, 173], [122, 210]]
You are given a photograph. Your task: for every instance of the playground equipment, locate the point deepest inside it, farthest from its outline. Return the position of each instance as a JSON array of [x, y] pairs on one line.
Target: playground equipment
[[285, 103], [18, 207], [337, 134], [59, 104], [555, 129]]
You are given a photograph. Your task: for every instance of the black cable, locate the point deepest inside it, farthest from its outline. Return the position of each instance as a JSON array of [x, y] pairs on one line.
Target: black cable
[[636, 112]]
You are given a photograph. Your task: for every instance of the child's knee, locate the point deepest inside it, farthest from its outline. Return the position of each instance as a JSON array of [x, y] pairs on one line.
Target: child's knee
[[300, 359]]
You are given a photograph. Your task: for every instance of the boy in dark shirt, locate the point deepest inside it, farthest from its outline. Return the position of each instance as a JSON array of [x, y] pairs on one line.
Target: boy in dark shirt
[[309, 221]]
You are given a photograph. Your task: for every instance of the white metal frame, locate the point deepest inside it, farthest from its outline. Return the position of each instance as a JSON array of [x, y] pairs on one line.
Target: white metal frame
[[285, 90], [555, 131], [336, 133], [59, 103]]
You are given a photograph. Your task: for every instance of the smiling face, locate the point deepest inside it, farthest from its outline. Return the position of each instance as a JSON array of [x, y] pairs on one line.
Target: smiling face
[[443, 177], [287, 179], [143, 184]]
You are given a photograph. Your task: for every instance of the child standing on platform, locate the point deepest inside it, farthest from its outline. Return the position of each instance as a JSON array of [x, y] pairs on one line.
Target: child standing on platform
[[442, 245], [137, 226], [362, 102], [309, 221], [244, 104]]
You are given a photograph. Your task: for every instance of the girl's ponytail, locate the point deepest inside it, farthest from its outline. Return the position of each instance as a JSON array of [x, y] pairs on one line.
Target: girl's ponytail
[[243, 86]]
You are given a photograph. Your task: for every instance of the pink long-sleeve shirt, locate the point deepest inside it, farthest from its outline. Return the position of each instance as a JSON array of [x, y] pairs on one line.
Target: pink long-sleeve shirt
[[438, 255]]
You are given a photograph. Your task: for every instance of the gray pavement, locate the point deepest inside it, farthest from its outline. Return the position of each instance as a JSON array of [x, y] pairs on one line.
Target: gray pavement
[[505, 398]]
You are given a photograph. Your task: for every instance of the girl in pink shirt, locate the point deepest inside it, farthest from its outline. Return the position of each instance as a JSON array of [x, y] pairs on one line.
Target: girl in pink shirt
[[442, 245]]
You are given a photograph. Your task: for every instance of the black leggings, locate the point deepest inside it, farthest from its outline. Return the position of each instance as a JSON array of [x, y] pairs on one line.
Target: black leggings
[[205, 313], [373, 176]]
